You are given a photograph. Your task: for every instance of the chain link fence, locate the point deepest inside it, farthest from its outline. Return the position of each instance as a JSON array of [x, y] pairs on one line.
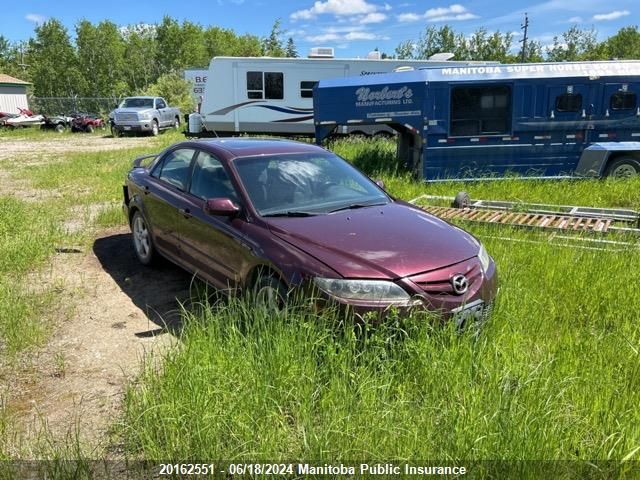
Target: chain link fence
[[69, 105]]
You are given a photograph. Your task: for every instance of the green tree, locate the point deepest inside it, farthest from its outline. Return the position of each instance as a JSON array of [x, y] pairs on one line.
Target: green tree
[[101, 58], [440, 40], [290, 50], [10, 59], [139, 66], [224, 42], [405, 50], [54, 65], [174, 89], [574, 44], [623, 45], [272, 45]]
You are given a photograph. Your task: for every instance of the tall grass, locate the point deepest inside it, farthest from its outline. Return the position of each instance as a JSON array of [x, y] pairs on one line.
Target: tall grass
[[554, 375]]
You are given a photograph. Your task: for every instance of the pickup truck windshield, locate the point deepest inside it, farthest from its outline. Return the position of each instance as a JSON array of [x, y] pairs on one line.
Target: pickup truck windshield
[[137, 103]]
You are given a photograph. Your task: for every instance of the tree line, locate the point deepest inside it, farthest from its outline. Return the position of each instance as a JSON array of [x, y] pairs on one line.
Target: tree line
[[106, 60]]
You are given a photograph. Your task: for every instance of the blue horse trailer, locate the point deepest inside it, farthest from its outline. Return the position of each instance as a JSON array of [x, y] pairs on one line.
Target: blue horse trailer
[[535, 120]]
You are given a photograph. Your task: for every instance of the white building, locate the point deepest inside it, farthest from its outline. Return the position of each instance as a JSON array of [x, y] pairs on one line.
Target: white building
[[13, 94]]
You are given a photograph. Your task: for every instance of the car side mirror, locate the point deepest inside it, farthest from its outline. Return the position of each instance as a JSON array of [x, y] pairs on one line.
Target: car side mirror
[[380, 183], [221, 207]]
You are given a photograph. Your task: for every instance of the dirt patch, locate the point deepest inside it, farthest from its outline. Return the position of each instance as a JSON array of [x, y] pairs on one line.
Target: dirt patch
[[33, 151], [121, 312]]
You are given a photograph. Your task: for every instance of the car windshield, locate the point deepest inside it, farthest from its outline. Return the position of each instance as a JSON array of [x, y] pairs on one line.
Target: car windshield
[[137, 103], [304, 184]]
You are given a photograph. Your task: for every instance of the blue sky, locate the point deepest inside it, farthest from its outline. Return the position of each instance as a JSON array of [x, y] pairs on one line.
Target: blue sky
[[352, 27]]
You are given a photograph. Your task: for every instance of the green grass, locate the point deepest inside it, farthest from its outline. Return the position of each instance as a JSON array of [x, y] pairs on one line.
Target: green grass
[[554, 375]]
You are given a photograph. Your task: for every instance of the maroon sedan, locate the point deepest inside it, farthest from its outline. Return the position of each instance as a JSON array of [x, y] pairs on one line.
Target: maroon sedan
[[274, 216]]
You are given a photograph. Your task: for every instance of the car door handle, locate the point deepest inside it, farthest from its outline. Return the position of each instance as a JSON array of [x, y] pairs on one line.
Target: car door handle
[[186, 213]]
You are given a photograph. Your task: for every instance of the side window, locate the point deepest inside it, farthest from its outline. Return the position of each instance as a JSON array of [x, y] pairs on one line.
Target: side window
[[480, 110], [160, 104], [269, 85], [175, 167], [274, 85], [254, 85], [623, 101], [306, 89], [210, 180], [569, 102]]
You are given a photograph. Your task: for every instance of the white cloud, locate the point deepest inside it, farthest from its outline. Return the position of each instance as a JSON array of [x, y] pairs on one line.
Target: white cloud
[[343, 34], [335, 7], [409, 17], [576, 20], [387, 7], [374, 17], [36, 18], [611, 15], [360, 36], [324, 37], [455, 12]]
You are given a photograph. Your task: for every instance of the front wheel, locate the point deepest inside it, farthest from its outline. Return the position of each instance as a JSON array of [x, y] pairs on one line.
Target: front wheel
[[142, 241], [624, 167], [60, 128], [155, 129], [116, 132], [270, 293]]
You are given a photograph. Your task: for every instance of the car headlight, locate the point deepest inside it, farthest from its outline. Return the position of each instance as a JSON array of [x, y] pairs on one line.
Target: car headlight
[[375, 291], [485, 259]]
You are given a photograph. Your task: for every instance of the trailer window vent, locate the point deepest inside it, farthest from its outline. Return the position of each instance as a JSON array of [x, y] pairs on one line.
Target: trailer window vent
[[623, 101], [569, 102]]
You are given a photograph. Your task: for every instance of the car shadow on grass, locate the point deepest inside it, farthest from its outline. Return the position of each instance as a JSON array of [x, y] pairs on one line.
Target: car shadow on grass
[[161, 291]]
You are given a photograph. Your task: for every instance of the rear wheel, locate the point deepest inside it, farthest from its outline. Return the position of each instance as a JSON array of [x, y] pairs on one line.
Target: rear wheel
[[142, 242], [624, 167], [176, 124]]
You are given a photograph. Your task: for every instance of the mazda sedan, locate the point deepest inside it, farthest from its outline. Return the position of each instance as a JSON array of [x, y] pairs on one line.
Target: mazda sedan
[[273, 217]]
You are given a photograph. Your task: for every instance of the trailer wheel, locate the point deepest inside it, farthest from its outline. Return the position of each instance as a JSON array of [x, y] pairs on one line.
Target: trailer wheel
[[462, 200], [60, 128], [624, 167]]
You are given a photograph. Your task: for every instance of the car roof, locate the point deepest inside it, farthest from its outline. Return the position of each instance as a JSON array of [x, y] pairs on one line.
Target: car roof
[[249, 147]]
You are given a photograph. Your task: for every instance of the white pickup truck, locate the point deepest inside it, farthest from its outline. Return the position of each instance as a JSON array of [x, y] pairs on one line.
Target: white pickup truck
[[143, 114]]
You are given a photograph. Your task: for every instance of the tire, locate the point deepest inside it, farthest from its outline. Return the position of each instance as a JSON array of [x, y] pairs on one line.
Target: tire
[[623, 167], [270, 293], [115, 132], [59, 128], [176, 124], [155, 130], [141, 239], [462, 200], [89, 129]]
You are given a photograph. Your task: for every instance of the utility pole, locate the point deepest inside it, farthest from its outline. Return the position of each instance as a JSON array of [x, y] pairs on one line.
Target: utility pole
[[22, 64], [525, 27]]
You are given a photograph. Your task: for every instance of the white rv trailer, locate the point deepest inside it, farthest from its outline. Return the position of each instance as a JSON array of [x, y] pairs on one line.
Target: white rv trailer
[[274, 95]]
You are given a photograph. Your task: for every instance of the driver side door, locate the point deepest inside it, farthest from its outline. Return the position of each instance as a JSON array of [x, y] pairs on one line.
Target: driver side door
[[213, 247]]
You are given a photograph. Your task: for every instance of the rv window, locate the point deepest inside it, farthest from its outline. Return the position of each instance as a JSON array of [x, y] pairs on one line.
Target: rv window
[[480, 111], [274, 88], [306, 89], [569, 102], [254, 85], [623, 101]]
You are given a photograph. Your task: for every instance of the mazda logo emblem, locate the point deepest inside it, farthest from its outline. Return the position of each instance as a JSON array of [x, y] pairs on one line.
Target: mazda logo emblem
[[460, 284]]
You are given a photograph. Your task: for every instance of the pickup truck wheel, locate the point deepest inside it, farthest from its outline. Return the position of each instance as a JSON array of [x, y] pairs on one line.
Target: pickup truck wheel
[[624, 167], [154, 128], [116, 132], [176, 124]]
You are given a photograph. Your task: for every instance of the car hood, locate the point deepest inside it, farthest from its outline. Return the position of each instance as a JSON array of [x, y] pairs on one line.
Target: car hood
[[390, 241]]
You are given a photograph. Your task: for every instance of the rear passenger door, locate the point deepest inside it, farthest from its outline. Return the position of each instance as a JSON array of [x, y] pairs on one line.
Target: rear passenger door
[[164, 196], [213, 247], [161, 106]]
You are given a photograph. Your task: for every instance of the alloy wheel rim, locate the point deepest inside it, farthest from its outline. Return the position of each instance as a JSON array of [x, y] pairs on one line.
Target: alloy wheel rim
[[141, 237], [625, 171]]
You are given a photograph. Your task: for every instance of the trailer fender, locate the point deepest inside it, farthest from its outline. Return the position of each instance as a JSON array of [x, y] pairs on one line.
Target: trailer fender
[[594, 159]]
